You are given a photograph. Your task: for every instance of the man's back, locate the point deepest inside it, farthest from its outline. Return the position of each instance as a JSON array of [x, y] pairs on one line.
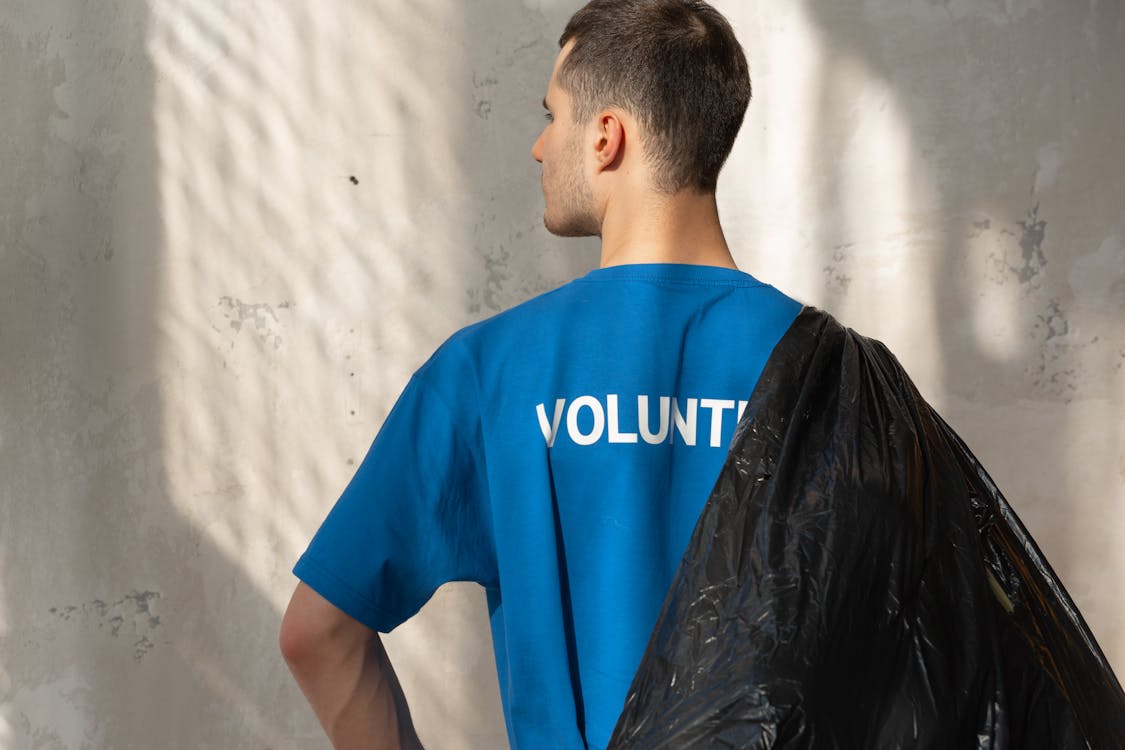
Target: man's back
[[558, 454]]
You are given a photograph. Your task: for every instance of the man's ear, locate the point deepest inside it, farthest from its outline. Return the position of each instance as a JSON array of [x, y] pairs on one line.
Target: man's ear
[[609, 146]]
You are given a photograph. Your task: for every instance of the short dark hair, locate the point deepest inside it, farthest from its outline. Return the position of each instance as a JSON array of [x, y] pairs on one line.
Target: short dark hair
[[676, 66]]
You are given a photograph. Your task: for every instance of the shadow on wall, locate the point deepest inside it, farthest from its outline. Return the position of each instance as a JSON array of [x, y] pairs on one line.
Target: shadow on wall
[[1008, 216]]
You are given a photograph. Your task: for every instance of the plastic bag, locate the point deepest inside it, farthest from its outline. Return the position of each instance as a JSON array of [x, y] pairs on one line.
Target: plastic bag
[[856, 580]]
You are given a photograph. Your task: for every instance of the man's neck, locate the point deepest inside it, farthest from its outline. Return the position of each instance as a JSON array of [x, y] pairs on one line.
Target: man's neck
[[681, 228]]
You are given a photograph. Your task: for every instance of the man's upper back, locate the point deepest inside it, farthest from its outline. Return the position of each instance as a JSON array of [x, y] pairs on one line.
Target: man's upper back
[[558, 454]]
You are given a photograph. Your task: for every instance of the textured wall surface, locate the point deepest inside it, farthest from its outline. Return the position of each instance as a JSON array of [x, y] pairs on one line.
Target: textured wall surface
[[230, 231]]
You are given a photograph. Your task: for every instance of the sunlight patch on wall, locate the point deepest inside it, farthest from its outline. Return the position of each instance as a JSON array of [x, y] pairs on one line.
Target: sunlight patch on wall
[[825, 193], [290, 197], [998, 324], [885, 194], [321, 237], [765, 191], [997, 311]]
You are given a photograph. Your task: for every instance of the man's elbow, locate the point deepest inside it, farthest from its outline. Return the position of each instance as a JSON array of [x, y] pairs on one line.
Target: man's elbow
[[296, 640], [299, 641], [314, 633]]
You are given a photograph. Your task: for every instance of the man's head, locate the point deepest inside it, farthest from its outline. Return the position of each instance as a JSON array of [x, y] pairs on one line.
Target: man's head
[[674, 65], [657, 87]]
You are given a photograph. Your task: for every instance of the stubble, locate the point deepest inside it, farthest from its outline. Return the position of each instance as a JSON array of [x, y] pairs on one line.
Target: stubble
[[570, 209]]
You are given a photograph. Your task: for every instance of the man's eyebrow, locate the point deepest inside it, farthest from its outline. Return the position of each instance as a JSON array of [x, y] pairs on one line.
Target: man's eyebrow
[[545, 104]]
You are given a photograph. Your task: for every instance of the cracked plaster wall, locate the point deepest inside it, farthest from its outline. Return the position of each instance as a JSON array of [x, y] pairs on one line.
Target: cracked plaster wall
[[230, 232]]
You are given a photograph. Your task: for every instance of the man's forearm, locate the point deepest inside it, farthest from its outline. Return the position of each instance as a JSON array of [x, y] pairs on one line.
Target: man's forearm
[[345, 674], [359, 701]]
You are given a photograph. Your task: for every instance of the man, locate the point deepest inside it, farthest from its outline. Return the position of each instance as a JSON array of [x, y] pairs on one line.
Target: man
[[559, 454]]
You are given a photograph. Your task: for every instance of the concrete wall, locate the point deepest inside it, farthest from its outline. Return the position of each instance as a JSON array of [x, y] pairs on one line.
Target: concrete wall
[[230, 231]]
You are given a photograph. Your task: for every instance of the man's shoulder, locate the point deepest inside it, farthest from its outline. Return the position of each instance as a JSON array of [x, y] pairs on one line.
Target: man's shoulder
[[616, 302], [503, 332], [530, 315]]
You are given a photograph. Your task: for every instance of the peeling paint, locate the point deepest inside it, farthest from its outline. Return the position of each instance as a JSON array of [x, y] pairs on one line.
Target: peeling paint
[[141, 647], [492, 296], [135, 608], [1054, 322], [262, 315], [834, 271], [980, 227], [1058, 370], [1033, 233], [482, 104]]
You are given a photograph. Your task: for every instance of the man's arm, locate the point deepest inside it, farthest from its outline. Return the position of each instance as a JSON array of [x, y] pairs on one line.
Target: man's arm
[[344, 672]]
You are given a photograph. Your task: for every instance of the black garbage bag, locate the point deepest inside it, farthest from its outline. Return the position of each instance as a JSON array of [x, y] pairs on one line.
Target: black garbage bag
[[856, 580]]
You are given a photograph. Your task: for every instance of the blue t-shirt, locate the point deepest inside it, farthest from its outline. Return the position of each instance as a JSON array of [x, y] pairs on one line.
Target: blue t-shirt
[[558, 454]]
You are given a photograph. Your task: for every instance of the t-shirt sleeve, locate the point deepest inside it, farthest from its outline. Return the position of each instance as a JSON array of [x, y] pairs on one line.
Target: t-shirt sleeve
[[414, 516]]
